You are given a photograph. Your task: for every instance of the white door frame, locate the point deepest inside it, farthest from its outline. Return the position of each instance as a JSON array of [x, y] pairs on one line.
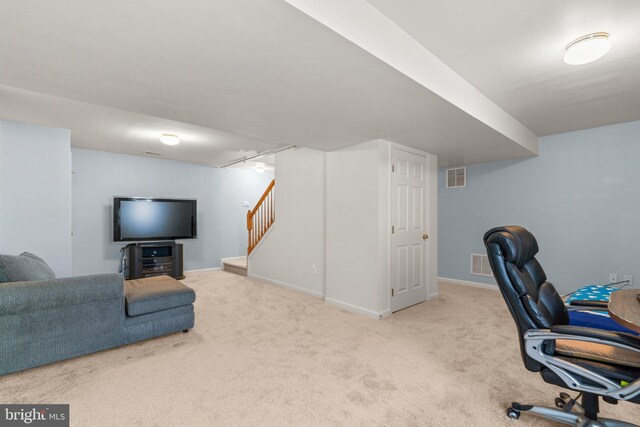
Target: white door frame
[[430, 222]]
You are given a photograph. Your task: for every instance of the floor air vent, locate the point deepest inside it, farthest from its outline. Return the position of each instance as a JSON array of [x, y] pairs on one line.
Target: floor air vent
[[456, 177], [480, 265]]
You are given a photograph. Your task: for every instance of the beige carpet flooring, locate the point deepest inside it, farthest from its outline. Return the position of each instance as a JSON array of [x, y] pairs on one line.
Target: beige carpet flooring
[[263, 355]]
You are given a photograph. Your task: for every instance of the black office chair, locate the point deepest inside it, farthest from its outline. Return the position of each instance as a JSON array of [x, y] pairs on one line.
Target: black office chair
[[594, 362]]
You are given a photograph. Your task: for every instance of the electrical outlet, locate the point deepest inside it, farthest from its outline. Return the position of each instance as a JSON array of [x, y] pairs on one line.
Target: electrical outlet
[[630, 279], [313, 268], [613, 277]]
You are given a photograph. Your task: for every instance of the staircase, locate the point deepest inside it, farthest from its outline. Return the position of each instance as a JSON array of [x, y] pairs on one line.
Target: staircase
[[260, 219], [236, 265]]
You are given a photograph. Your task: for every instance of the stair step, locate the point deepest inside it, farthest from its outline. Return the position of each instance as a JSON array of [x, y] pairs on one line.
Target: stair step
[[236, 265]]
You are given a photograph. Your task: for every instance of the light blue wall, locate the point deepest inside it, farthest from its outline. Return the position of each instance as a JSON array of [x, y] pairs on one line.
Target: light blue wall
[[580, 198], [98, 176]]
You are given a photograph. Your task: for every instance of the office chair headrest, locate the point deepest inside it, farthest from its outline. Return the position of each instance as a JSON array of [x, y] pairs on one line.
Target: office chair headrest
[[517, 243]]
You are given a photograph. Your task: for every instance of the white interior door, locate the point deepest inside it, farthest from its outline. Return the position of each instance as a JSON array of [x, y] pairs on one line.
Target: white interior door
[[408, 229]]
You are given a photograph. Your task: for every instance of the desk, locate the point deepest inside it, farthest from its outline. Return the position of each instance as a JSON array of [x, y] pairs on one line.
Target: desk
[[624, 308]]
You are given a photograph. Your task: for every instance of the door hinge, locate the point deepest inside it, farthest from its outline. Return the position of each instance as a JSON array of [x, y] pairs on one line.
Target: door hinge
[[393, 168], [393, 292], [393, 229]]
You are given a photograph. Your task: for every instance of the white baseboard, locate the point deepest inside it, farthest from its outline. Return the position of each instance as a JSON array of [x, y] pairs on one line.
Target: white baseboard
[[343, 305], [432, 296], [204, 269], [469, 283], [287, 285], [385, 313], [358, 310]]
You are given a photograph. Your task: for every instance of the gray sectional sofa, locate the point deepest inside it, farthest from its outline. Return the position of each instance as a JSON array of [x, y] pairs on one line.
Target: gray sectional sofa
[[44, 321]]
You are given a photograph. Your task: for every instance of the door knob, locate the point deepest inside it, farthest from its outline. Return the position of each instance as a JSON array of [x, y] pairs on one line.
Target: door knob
[[425, 236]]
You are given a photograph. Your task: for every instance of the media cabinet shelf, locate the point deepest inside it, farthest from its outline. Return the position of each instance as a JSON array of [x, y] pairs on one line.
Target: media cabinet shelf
[[148, 260]]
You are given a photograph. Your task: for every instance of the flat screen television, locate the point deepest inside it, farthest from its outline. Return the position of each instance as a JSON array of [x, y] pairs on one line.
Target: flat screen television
[[139, 219]]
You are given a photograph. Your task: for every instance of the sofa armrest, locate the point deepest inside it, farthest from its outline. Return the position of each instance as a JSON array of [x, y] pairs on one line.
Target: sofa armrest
[[20, 297]]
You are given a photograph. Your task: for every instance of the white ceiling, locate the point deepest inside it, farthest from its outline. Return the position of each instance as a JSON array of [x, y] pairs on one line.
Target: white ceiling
[[267, 162], [236, 76], [512, 52], [107, 129]]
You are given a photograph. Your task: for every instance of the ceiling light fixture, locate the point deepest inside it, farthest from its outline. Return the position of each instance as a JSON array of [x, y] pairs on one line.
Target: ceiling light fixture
[[169, 139], [259, 167], [587, 48]]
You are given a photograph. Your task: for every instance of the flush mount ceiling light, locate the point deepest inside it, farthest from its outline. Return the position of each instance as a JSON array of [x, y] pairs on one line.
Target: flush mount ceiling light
[[259, 167], [587, 48], [169, 139]]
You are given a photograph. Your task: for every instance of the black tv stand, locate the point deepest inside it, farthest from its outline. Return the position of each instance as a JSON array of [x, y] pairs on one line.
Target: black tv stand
[[154, 259], [167, 243]]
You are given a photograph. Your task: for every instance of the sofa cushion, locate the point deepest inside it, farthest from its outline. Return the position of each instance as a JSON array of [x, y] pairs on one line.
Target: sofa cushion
[[155, 294], [25, 267]]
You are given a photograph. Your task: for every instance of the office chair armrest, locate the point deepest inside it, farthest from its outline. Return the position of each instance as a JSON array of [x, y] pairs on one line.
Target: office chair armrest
[[607, 337], [577, 377], [589, 303]]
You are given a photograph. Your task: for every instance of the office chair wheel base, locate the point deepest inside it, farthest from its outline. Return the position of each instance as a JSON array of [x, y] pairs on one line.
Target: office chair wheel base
[[559, 402], [513, 414]]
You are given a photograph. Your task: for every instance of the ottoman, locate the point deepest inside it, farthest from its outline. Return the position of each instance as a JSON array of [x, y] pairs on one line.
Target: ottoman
[[157, 306]]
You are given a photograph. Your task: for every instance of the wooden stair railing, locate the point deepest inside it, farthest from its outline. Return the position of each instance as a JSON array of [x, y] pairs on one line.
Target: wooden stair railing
[[261, 217]]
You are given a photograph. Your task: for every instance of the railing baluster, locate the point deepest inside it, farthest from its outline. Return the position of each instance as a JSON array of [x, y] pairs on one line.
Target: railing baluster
[[261, 217]]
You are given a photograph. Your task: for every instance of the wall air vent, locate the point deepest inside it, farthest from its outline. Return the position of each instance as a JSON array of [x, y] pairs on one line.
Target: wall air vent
[[456, 177], [480, 265]]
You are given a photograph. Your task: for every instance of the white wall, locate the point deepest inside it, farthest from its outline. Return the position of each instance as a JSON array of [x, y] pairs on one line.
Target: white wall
[[358, 227], [2, 223], [332, 211], [357, 205], [35, 193], [296, 240], [98, 176]]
